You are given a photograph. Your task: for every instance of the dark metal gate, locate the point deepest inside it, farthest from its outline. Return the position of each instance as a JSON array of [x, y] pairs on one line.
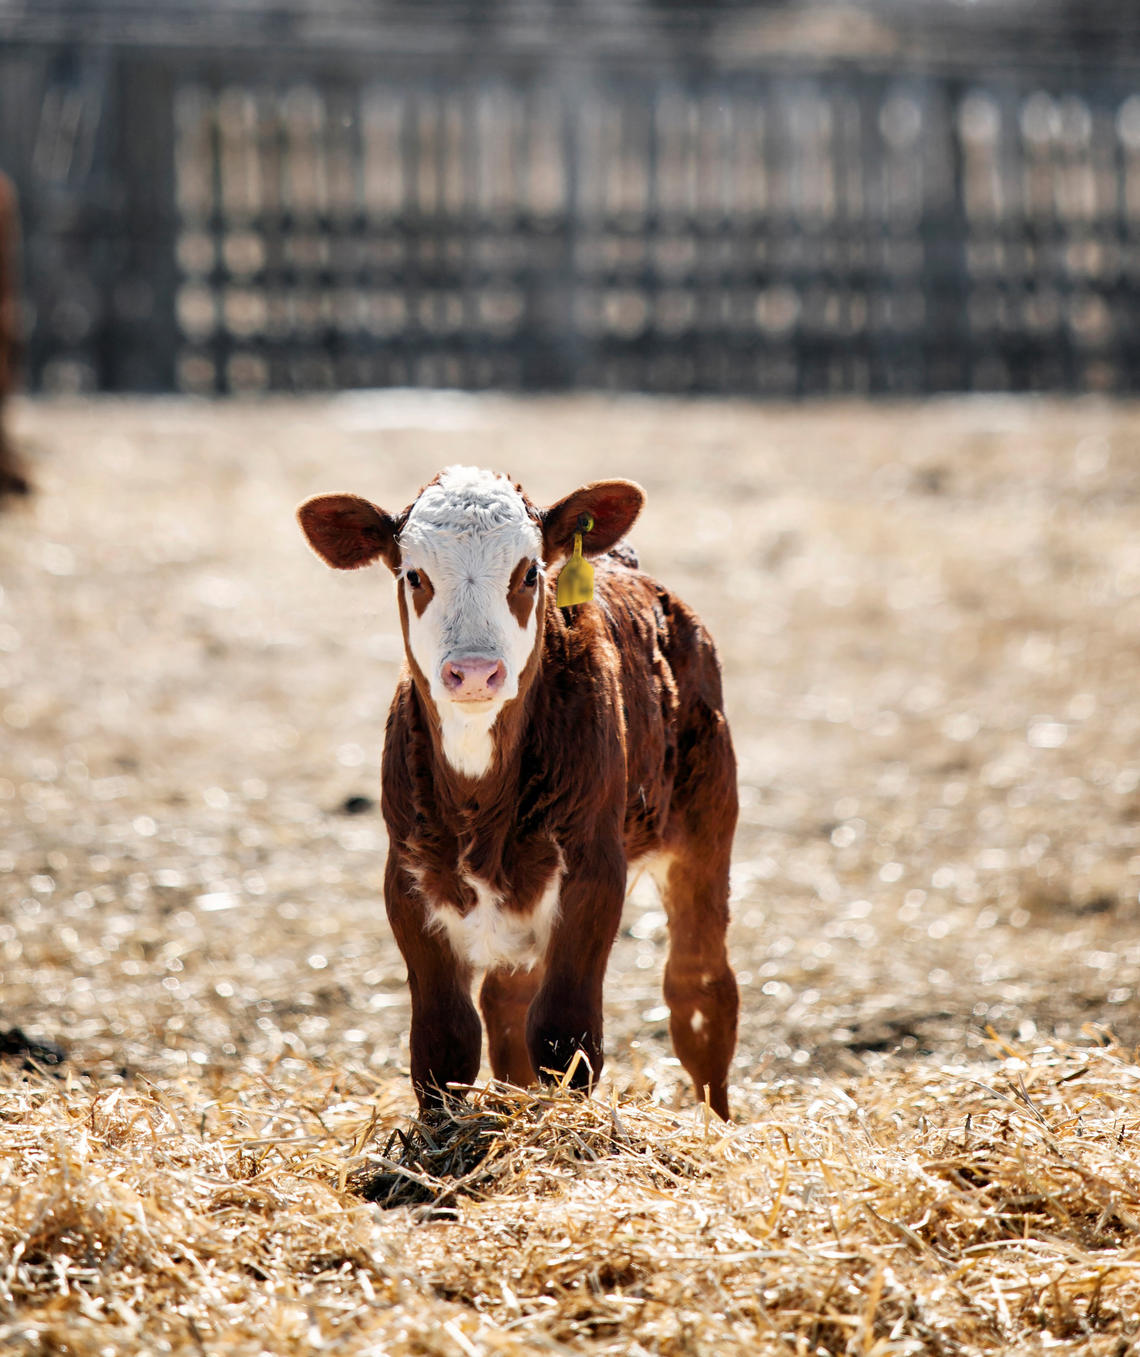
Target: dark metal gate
[[224, 221]]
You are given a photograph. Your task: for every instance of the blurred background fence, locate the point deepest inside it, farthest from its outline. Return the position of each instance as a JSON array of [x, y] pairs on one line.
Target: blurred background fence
[[681, 198]]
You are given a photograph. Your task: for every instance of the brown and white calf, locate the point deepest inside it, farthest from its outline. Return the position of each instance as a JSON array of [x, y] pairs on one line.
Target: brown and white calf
[[533, 755]]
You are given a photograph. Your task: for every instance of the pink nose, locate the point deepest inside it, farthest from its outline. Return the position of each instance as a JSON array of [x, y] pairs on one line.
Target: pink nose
[[473, 679]]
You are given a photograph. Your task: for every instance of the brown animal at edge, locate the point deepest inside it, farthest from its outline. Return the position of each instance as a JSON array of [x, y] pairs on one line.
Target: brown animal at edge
[[533, 755], [12, 478]]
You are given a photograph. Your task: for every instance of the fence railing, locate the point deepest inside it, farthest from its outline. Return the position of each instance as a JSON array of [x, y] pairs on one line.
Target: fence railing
[[218, 223]]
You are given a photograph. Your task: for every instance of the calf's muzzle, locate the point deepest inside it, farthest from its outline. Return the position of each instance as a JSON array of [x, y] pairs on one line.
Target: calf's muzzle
[[473, 678]]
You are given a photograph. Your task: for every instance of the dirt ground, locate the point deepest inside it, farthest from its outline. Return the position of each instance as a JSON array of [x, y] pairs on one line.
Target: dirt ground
[[929, 621]]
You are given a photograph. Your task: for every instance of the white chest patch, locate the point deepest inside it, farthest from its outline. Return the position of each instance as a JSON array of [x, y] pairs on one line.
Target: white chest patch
[[489, 936]]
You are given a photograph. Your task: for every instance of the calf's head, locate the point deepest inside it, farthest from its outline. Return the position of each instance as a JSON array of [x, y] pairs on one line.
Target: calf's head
[[469, 556]]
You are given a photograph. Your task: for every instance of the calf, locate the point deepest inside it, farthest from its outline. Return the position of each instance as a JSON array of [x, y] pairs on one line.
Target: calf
[[533, 755], [12, 479]]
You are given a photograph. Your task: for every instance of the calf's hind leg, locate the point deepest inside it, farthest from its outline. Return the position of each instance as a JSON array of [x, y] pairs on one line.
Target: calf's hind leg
[[700, 987], [505, 1000]]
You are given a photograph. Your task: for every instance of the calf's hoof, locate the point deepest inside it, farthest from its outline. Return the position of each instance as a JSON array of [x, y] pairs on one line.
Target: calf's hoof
[[557, 1057]]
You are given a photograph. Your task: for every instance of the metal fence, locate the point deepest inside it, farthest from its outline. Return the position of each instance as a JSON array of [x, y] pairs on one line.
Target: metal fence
[[221, 222]]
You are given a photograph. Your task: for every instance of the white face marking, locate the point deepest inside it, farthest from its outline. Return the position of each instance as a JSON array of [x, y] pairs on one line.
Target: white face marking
[[697, 1021], [467, 533], [489, 936]]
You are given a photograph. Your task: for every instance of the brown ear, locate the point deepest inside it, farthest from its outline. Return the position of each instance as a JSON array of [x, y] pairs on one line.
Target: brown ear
[[613, 505], [348, 532]]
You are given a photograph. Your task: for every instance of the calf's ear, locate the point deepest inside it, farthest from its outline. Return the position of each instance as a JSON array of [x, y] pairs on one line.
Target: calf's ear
[[613, 505], [347, 532]]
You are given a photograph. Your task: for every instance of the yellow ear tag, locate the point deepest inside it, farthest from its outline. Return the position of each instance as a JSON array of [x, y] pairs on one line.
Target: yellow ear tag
[[576, 578]]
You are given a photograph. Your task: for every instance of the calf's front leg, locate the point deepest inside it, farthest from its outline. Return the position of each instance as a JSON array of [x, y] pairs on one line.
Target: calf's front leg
[[446, 1034], [566, 1014]]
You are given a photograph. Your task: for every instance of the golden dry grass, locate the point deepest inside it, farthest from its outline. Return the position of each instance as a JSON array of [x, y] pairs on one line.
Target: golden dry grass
[[929, 617], [932, 1209]]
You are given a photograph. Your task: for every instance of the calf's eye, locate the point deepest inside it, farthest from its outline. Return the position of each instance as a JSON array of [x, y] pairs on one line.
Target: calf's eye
[[530, 579], [413, 578]]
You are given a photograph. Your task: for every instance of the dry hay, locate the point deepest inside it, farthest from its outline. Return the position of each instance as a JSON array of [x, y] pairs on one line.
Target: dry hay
[[465, 1148], [944, 1210]]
